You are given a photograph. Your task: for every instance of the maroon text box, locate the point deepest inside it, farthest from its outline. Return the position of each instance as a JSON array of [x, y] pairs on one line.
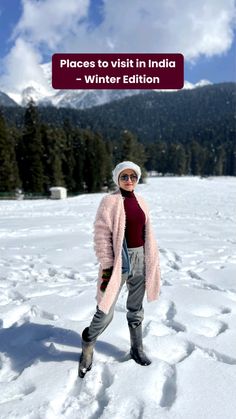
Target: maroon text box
[[117, 71]]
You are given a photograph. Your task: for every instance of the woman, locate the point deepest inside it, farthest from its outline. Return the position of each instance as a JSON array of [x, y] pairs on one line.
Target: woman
[[127, 252]]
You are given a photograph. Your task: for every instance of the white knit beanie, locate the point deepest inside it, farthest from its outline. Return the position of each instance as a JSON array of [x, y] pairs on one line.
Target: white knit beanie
[[122, 166]]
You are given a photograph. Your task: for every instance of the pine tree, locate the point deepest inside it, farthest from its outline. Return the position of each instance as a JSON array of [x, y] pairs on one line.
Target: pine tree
[[230, 159], [197, 162], [157, 157], [220, 162], [130, 149], [79, 157], [52, 146], [181, 160], [209, 167], [31, 152], [9, 176], [68, 159], [109, 164], [104, 162], [172, 161], [97, 162]]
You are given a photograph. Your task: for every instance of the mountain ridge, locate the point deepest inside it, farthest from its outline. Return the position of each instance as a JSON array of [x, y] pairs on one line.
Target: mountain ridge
[[205, 114], [43, 94]]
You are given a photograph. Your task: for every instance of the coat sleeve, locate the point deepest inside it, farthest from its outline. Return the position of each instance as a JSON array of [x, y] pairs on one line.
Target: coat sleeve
[[103, 236]]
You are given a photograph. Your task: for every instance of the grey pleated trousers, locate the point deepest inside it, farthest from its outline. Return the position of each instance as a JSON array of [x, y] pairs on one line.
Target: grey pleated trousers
[[135, 281]]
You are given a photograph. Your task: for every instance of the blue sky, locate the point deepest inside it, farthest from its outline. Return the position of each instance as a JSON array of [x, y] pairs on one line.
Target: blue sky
[[32, 30]]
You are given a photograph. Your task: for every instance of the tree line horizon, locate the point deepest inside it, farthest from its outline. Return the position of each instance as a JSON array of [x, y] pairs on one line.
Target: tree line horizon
[[39, 155]]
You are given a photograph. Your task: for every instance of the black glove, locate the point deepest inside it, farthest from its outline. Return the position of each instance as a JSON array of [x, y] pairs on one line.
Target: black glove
[[106, 275]]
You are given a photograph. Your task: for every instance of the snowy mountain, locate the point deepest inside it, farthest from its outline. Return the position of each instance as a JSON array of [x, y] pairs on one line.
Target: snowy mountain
[[45, 95], [83, 99], [5, 100], [35, 93], [77, 99]]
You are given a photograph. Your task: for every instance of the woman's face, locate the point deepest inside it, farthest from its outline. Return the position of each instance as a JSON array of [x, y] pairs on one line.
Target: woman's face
[[128, 180]]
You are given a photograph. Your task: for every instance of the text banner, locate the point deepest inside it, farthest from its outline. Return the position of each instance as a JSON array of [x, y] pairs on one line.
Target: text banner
[[117, 71]]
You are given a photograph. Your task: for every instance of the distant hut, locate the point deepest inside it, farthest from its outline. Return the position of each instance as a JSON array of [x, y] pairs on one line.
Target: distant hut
[[58, 192]]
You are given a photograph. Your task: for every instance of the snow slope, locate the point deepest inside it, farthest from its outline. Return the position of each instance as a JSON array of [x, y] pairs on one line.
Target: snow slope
[[47, 296]]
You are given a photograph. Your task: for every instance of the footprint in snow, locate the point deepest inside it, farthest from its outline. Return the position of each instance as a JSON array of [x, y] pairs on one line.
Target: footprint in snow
[[208, 327], [88, 397], [207, 311]]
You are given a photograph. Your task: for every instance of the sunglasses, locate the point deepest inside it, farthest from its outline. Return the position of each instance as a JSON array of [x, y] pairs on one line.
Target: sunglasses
[[125, 178]]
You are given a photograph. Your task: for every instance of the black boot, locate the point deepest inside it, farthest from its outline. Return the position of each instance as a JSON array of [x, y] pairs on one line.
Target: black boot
[[136, 350], [86, 358]]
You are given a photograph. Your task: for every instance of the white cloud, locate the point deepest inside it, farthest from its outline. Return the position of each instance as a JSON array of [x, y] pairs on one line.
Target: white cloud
[[194, 28], [22, 67], [42, 27], [191, 27], [48, 22]]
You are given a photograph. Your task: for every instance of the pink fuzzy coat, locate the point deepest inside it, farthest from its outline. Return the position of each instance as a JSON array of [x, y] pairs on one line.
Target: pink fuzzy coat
[[109, 231]]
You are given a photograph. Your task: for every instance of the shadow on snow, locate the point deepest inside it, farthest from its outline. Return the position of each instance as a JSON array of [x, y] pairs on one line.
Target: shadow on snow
[[29, 343]]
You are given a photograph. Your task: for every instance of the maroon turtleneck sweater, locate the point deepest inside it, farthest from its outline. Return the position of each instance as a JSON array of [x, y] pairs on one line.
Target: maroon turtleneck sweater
[[135, 220]]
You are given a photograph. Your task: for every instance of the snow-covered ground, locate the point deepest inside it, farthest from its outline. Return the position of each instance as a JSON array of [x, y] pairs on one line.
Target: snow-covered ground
[[48, 276]]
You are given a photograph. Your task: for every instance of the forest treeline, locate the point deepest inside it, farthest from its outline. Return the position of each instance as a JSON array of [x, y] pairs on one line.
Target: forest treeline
[[205, 114], [39, 152], [38, 156]]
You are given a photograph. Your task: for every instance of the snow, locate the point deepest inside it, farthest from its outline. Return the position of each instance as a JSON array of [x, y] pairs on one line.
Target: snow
[[48, 276]]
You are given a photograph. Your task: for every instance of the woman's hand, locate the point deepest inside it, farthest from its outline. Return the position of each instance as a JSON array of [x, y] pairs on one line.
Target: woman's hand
[[106, 275]]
